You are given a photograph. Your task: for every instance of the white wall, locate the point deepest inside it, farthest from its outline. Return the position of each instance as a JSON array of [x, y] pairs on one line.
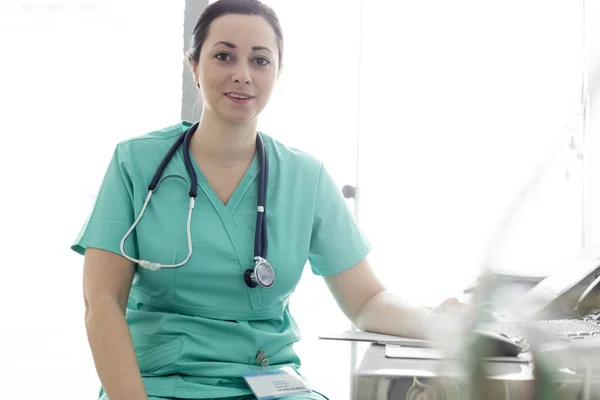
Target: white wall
[[593, 124], [76, 78]]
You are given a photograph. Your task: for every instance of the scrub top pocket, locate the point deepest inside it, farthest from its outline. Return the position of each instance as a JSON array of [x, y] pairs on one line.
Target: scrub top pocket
[[158, 354]]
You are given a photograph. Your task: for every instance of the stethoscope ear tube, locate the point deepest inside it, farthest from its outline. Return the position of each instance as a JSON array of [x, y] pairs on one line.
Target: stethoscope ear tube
[[156, 266], [188, 162], [260, 238], [265, 170], [164, 162]]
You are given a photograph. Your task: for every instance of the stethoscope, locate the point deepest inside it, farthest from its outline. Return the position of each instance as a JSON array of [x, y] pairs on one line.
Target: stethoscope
[[262, 274]]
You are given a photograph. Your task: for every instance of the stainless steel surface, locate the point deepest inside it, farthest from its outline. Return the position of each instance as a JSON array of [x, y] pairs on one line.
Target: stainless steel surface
[[381, 378]]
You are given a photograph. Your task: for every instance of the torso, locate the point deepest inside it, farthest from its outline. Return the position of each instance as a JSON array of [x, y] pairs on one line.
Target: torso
[[179, 317]]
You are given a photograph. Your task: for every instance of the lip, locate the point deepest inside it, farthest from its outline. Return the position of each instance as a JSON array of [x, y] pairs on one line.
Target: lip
[[237, 100], [239, 94]]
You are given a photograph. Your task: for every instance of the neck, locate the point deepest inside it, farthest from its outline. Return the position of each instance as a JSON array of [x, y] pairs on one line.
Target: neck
[[223, 143]]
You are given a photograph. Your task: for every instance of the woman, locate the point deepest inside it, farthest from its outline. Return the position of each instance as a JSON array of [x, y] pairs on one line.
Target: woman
[[193, 331]]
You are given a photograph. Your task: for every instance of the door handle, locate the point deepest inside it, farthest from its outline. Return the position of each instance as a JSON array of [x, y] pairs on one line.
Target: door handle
[[349, 191]]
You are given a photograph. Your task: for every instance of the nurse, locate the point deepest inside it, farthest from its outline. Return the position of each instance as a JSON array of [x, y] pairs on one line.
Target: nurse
[[187, 289]]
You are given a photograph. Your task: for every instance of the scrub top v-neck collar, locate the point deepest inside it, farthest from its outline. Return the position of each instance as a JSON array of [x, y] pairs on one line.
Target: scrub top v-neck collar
[[239, 192]]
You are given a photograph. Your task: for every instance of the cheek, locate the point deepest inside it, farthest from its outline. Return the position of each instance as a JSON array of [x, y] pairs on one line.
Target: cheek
[[267, 84], [208, 84], [209, 80]]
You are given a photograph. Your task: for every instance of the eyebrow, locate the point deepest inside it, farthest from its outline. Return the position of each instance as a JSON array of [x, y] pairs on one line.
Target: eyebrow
[[232, 46]]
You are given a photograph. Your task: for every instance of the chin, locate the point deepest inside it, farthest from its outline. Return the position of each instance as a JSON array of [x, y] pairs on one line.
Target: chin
[[233, 116], [239, 118]]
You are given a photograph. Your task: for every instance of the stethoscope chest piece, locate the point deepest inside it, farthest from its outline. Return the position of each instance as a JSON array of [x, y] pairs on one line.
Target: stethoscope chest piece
[[263, 274]]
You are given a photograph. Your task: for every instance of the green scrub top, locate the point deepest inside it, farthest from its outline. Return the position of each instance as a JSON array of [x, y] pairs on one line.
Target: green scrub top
[[198, 328]]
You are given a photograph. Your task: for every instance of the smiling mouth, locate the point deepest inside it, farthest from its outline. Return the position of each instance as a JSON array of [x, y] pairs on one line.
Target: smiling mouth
[[239, 96]]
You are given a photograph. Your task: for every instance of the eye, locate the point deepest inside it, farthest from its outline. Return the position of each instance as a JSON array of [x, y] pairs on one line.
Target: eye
[[262, 61], [223, 57]]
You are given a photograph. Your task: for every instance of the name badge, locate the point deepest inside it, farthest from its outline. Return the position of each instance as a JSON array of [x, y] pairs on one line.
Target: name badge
[[276, 384]]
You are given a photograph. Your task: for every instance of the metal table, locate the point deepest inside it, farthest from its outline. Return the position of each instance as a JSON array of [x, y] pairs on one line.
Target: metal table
[[380, 378]]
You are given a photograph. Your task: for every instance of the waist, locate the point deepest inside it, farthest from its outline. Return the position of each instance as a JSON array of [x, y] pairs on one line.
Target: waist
[[139, 300], [170, 343]]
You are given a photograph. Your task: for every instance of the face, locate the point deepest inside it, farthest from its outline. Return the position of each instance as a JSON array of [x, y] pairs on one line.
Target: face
[[238, 67]]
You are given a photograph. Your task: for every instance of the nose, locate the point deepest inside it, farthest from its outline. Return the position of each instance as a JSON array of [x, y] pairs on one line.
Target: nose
[[242, 75]]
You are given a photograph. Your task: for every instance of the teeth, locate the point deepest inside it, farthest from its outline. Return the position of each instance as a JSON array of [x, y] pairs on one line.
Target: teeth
[[238, 96]]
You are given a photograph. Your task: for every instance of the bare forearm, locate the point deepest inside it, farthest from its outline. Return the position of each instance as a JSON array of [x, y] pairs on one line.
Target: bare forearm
[[112, 349], [386, 313]]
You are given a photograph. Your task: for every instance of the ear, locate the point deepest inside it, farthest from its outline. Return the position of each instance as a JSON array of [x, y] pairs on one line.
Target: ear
[[195, 74]]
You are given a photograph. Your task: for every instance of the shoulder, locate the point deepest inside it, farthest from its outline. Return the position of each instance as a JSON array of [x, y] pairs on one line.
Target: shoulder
[[291, 158], [151, 144]]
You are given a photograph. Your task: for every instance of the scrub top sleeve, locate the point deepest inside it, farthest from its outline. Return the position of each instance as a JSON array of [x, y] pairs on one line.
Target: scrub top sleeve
[[113, 213], [336, 242]]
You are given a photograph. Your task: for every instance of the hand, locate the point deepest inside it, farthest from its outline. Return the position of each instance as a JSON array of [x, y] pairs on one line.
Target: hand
[[450, 306], [445, 323]]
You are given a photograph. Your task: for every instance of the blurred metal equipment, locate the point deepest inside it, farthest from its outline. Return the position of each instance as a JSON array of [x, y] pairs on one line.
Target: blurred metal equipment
[[558, 322], [381, 378]]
